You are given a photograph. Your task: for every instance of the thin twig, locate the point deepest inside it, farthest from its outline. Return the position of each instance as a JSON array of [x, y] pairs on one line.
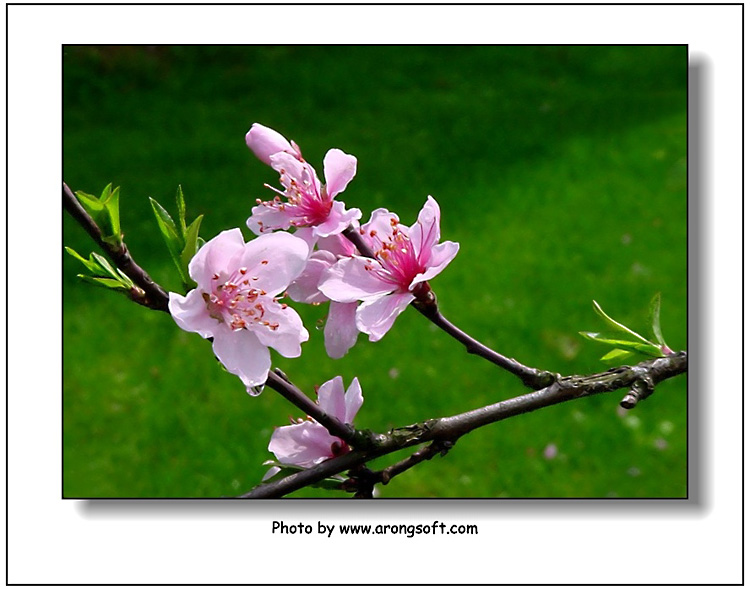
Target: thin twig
[[294, 395], [426, 304]]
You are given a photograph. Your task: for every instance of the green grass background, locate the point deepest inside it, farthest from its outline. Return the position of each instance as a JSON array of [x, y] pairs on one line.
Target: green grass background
[[560, 170]]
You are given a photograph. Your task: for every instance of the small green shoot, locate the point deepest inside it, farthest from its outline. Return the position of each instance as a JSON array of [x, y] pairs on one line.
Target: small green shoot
[[182, 240], [102, 273], [625, 347], [105, 211]]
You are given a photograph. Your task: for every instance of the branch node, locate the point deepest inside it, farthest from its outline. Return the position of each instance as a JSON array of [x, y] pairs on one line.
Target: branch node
[[641, 389]]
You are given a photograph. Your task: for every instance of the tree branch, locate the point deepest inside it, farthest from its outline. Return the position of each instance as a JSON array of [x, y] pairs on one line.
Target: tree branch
[[451, 428], [278, 381], [426, 304]]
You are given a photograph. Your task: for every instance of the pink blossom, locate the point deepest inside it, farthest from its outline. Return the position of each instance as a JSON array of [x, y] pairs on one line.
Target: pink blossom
[[236, 301], [304, 201], [340, 330], [308, 443], [265, 142], [405, 258]]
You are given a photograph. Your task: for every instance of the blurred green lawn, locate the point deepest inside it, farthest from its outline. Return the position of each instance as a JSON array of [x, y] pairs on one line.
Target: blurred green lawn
[[560, 170]]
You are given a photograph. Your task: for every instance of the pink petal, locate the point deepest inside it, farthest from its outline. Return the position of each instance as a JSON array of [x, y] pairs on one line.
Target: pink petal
[[425, 233], [191, 314], [338, 245], [216, 256], [243, 355], [273, 260], [338, 220], [331, 398], [265, 218], [376, 317], [348, 280], [304, 444], [353, 401], [440, 256], [291, 168], [339, 168], [341, 329], [289, 334], [382, 222], [265, 142], [304, 289]]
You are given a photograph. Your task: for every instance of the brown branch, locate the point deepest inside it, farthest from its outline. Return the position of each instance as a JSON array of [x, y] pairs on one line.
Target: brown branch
[[278, 381], [426, 304], [452, 428]]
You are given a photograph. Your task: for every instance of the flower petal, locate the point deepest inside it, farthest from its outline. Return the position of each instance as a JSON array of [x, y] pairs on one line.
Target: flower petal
[[304, 288], [338, 220], [331, 398], [440, 256], [341, 329], [293, 171], [265, 142], [273, 260], [303, 444], [425, 233], [243, 355], [350, 280], [380, 226], [353, 401], [191, 314], [288, 335], [265, 218], [216, 256], [376, 317], [338, 168]]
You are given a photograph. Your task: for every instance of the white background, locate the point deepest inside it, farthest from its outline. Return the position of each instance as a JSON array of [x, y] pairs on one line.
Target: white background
[[56, 541]]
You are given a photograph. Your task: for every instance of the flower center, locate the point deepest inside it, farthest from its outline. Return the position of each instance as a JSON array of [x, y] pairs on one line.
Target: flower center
[[396, 255], [234, 301], [306, 202]]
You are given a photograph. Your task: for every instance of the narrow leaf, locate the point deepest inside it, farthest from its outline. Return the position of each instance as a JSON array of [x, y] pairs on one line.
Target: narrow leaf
[[618, 326], [616, 355], [648, 348], [90, 265], [656, 319], [181, 210], [90, 203], [168, 230], [191, 246], [112, 205], [105, 282], [106, 266]]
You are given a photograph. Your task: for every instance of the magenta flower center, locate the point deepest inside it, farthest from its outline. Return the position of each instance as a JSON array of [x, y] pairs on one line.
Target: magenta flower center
[[398, 260], [235, 301], [306, 203]]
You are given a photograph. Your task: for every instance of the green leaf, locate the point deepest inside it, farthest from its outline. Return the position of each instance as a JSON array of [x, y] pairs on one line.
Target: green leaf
[[105, 211], [168, 230], [618, 326], [648, 348], [191, 248], [105, 282], [616, 355], [112, 206], [105, 265], [181, 210], [655, 312], [90, 265], [89, 202]]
